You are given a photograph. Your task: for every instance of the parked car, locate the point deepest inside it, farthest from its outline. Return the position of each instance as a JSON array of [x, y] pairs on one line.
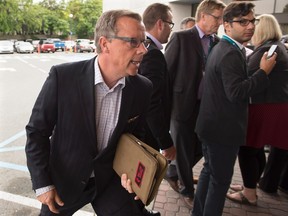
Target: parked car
[[82, 45], [24, 47], [69, 45], [35, 44], [92, 45], [46, 46], [6, 46], [59, 45]]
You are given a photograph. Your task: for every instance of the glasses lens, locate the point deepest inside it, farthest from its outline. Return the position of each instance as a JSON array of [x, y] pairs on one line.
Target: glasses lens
[[146, 43], [134, 43], [245, 22]]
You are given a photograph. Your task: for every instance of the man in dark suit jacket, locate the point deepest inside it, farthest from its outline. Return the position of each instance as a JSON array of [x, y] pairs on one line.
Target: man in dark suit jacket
[[186, 55], [79, 116], [222, 120], [157, 19]]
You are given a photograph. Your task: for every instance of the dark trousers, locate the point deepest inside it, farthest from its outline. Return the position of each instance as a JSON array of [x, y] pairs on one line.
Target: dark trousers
[[114, 201], [277, 160], [188, 153], [251, 162], [215, 178], [284, 177]]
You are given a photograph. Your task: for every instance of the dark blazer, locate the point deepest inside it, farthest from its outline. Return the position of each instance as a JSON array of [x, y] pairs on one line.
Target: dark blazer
[[185, 61], [61, 144], [154, 67], [278, 89], [185, 71], [224, 106]]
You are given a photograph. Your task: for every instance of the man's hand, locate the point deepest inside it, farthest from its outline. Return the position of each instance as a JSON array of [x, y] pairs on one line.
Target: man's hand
[[126, 183], [268, 64], [50, 198], [170, 153]]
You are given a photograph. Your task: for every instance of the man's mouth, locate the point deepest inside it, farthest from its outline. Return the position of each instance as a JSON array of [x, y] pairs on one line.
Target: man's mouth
[[137, 63]]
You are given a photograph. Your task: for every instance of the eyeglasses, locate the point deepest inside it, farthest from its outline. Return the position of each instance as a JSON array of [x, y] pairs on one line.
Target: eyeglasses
[[134, 43], [244, 22], [217, 18], [171, 24]]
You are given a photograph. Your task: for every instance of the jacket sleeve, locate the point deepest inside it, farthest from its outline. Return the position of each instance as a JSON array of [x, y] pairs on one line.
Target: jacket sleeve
[[237, 84], [39, 129], [154, 68]]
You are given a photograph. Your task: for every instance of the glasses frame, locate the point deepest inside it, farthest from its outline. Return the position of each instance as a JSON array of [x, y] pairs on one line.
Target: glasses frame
[[171, 24], [134, 43], [217, 18], [245, 22]]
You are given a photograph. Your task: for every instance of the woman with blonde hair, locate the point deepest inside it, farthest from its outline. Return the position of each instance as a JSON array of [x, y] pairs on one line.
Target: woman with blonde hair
[[268, 117]]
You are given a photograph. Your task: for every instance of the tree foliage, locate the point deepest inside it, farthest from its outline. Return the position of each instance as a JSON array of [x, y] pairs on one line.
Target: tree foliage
[[49, 17]]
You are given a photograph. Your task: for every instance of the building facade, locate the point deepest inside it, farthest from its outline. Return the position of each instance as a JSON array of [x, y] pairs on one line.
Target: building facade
[[184, 8]]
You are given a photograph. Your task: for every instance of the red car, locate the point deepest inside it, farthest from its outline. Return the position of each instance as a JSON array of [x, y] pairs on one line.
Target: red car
[[46, 46]]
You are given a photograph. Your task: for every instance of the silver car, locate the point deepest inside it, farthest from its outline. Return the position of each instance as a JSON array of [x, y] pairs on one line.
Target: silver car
[[6, 46], [24, 47]]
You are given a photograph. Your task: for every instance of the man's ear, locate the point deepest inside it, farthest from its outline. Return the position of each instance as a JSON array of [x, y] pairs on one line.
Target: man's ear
[[227, 26], [104, 44], [160, 24]]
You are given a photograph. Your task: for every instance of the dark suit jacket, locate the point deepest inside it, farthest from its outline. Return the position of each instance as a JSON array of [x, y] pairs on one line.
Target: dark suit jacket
[[156, 129], [278, 89], [185, 60], [224, 106], [65, 111]]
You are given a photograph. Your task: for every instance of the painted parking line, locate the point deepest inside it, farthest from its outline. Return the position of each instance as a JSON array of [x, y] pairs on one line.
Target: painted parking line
[[33, 202], [13, 138], [13, 166], [12, 149]]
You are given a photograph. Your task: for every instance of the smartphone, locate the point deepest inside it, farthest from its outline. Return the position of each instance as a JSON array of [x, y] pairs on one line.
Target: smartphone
[[271, 51]]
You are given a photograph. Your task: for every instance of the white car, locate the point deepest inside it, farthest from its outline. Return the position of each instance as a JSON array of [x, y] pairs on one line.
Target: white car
[[24, 47], [6, 46], [92, 45], [69, 44]]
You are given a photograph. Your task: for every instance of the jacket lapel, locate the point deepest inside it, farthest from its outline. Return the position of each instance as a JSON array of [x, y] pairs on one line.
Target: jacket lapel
[[87, 98]]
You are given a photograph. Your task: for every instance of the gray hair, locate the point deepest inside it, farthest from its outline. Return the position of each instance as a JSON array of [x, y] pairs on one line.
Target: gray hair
[[185, 21], [106, 24]]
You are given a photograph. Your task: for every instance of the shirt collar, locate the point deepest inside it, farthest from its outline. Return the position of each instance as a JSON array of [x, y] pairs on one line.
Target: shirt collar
[[99, 79], [158, 44], [236, 42], [201, 33]]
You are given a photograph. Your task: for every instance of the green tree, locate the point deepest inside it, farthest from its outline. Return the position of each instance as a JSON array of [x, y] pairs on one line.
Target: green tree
[[9, 16], [49, 17], [85, 15]]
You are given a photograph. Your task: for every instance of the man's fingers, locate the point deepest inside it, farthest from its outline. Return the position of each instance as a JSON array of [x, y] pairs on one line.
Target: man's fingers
[[129, 186], [124, 180], [126, 183], [52, 207], [58, 200], [50, 198]]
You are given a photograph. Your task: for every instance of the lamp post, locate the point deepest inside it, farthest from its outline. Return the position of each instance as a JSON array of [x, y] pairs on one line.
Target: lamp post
[[71, 17]]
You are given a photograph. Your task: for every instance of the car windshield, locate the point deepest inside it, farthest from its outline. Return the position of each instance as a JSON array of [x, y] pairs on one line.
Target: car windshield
[[26, 43], [5, 43]]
